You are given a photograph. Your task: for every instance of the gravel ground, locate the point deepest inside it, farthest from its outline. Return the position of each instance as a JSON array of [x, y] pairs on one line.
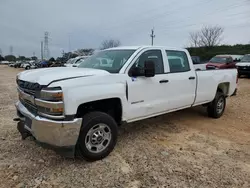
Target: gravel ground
[[181, 149]]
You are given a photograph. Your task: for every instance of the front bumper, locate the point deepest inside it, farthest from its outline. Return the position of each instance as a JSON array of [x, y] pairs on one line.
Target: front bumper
[[244, 70], [49, 133]]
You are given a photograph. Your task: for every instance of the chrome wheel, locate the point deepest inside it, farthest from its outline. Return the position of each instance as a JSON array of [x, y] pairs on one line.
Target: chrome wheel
[[98, 138], [220, 105]]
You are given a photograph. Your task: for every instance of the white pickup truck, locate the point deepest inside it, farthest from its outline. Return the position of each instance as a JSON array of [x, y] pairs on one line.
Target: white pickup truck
[[78, 111]]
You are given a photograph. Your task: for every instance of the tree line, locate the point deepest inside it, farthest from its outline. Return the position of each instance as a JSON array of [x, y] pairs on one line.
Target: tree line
[[207, 53], [207, 43], [110, 43], [14, 58]]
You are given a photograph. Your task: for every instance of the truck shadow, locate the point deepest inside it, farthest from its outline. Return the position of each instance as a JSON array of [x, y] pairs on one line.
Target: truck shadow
[[171, 122]]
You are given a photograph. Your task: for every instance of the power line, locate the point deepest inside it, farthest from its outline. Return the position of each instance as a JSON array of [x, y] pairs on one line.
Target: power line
[[172, 24], [139, 15], [176, 25], [147, 19], [161, 15]]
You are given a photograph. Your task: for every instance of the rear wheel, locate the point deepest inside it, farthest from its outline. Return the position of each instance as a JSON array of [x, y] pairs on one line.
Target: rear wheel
[[27, 68], [98, 136], [216, 108]]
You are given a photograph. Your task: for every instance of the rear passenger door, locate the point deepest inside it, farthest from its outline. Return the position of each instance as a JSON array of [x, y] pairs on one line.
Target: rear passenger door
[[182, 80]]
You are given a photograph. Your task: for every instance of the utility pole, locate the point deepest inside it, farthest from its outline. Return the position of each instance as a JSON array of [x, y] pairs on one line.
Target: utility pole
[[1, 53], [46, 45], [41, 50], [152, 36], [11, 50], [69, 44]]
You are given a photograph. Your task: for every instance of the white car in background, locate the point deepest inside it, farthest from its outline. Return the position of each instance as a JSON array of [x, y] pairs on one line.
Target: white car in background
[[244, 66], [74, 62], [69, 62], [5, 62], [28, 65], [12, 64]]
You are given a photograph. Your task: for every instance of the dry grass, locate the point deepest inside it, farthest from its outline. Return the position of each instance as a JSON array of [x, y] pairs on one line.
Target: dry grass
[[182, 149]]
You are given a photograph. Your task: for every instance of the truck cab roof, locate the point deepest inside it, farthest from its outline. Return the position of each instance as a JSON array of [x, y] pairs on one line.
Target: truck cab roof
[[143, 47]]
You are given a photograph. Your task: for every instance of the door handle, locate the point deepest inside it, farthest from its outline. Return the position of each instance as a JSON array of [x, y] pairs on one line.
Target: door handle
[[191, 78], [163, 81]]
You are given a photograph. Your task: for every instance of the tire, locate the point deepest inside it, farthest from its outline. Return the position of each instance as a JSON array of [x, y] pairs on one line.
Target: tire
[[27, 68], [213, 108], [94, 121]]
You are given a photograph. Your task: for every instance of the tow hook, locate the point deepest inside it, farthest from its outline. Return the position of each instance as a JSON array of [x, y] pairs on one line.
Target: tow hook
[[20, 127], [16, 119]]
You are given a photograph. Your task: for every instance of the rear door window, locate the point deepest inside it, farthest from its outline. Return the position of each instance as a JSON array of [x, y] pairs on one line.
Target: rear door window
[[178, 61]]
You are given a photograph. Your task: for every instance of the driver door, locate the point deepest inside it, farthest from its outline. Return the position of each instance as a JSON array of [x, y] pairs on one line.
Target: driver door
[[147, 95]]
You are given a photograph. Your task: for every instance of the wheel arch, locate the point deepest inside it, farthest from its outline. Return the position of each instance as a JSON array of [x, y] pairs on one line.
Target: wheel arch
[[224, 88], [111, 106]]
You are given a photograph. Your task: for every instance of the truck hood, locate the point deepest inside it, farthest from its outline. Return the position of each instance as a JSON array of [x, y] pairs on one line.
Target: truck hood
[[45, 76], [243, 64], [215, 64]]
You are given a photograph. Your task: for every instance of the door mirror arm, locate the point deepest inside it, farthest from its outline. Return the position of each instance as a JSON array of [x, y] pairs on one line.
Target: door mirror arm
[[147, 71]]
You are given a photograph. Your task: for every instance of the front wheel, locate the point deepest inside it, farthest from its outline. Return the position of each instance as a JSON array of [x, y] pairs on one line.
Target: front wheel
[[98, 136], [216, 108], [27, 68]]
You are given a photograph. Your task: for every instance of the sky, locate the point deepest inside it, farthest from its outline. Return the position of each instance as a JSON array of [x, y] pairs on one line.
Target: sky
[[79, 24]]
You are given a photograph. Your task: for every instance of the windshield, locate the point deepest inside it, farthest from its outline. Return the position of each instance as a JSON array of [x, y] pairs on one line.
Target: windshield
[[79, 61], [218, 60], [109, 60], [246, 58]]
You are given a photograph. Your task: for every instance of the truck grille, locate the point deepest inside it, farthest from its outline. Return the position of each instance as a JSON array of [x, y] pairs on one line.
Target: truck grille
[[244, 67], [30, 107], [29, 87]]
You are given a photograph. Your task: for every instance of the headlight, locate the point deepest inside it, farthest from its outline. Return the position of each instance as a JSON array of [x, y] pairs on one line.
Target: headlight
[[51, 94], [50, 103]]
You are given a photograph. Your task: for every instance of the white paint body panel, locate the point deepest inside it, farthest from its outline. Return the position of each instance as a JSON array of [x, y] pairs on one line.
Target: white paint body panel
[[200, 66], [140, 97]]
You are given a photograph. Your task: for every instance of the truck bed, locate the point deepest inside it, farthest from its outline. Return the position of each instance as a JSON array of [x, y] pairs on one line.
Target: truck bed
[[208, 81]]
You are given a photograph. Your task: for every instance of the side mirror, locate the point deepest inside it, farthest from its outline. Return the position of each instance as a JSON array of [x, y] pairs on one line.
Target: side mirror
[[149, 68], [135, 71], [147, 71]]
